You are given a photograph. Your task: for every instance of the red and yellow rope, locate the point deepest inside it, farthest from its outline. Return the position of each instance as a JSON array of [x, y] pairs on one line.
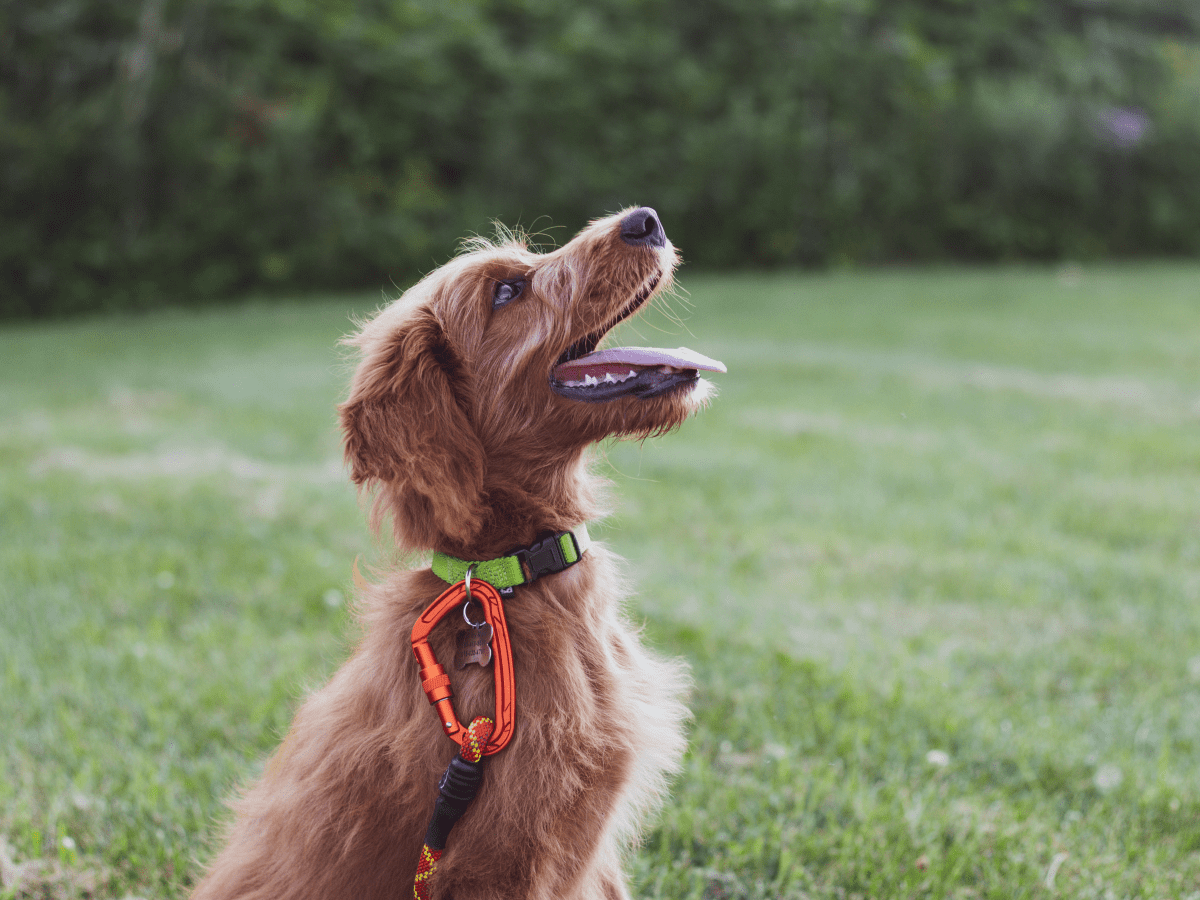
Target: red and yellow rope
[[476, 738]]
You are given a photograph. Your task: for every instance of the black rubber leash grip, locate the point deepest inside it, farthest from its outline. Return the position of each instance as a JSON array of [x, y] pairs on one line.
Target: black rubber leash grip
[[456, 790]]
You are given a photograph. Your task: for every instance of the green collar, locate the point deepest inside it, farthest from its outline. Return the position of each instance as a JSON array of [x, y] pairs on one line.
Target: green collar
[[547, 556]]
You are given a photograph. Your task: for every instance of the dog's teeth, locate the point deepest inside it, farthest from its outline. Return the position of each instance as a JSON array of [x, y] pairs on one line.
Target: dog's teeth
[[596, 381]]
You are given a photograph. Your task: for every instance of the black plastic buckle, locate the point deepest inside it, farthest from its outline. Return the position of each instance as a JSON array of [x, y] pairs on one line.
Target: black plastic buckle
[[543, 558]]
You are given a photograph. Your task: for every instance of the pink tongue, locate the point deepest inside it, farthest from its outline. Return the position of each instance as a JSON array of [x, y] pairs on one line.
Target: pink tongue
[[618, 360]]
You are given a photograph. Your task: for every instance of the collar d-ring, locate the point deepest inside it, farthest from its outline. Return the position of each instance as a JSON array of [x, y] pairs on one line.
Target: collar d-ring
[[467, 602]]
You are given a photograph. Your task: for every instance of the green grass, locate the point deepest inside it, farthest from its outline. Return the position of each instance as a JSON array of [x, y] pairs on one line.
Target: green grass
[[933, 554]]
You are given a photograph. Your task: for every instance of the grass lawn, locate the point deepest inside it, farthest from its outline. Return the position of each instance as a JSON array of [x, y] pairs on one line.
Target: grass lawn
[[933, 555]]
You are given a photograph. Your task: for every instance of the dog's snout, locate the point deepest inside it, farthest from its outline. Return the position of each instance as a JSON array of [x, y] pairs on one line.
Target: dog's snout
[[642, 229]]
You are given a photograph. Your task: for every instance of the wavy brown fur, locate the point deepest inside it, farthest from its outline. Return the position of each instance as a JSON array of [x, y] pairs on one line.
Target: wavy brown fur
[[451, 421]]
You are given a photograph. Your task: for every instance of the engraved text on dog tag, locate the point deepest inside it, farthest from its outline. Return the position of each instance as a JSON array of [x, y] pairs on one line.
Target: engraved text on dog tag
[[473, 646]]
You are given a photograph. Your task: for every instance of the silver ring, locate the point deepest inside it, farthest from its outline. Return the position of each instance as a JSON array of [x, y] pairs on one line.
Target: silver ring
[[469, 600]]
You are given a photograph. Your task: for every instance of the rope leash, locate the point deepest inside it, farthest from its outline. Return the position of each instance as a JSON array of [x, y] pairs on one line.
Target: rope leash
[[456, 790]]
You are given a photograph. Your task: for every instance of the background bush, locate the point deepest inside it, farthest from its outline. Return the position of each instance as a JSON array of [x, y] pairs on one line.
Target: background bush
[[172, 151]]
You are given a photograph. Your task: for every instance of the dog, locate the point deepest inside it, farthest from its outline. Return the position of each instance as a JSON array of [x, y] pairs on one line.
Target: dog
[[470, 415]]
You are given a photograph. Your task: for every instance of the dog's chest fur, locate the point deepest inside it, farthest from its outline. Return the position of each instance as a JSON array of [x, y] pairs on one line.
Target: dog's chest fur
[[599, 729]]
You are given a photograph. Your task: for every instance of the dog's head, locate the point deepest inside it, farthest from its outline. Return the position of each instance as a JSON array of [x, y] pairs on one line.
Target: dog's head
[[479, 389]]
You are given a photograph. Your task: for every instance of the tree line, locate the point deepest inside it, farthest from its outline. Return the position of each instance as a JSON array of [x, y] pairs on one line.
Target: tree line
[[176, 151]]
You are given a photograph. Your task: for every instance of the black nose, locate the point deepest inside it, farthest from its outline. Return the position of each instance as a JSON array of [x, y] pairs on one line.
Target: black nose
[[642, 229]]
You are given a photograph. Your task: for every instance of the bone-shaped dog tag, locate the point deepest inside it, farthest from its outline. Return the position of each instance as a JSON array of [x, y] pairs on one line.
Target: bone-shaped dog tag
[[473, 646]]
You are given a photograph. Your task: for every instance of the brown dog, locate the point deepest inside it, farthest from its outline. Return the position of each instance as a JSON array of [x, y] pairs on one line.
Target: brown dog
[[471, 413]]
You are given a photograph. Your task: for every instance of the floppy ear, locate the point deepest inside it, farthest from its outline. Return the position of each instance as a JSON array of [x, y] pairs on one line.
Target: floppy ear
[[407, 434]]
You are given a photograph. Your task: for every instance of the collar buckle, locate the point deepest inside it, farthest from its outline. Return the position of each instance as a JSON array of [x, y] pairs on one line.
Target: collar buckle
[[546, 557]]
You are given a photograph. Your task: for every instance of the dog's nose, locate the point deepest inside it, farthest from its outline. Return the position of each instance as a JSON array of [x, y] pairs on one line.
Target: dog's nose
[[642, 229]]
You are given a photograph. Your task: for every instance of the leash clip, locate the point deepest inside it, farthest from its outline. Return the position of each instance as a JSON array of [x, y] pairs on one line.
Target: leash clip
[[436, 683]]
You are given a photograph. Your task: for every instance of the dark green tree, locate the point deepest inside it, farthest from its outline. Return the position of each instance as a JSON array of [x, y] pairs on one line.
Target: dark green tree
[[165, 151]]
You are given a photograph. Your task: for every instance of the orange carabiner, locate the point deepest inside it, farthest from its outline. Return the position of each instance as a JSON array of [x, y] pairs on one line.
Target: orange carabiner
[[436, 683]]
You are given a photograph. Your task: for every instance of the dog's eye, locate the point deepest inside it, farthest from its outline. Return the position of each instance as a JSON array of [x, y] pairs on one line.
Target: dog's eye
[[507, 292]]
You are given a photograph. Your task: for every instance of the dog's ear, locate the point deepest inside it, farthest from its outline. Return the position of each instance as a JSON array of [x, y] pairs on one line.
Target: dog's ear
[[408, 435]]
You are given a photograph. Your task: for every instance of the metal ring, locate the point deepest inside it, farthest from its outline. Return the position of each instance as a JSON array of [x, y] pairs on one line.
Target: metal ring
[[467, 618], [469, 600]]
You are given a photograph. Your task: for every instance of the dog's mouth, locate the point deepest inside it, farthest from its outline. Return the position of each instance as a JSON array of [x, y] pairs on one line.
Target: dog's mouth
[[598, 376]]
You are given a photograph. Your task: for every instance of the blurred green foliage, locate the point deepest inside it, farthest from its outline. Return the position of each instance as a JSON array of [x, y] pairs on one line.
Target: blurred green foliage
[[179, 150]]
